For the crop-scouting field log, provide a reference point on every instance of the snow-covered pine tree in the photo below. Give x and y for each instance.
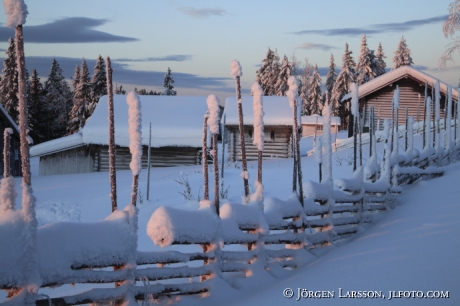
(364, 71)
(35, 101)
(58, 102)
(77, 113)
(9, 83)
(84, 87)
(379, 57)
(342, 87)
(168, 81)
(331, 77)
(267, 74)
(402, 55)
(283, 75)
(315, 97)
(305, 88)
(98, 84)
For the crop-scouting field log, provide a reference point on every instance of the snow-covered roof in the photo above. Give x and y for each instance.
(10, 120)
(395, 75)
(56, 145)
(176, 121)
(313, 119)
(276, 111)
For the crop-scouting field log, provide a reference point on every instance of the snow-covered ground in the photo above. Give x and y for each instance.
(413, 247)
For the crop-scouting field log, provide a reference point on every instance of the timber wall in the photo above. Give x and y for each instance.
(277, 142)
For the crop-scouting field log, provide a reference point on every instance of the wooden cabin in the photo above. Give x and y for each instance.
(15, 153)
(278, 120)
(313, 125)
(411, 82)
(177, 124)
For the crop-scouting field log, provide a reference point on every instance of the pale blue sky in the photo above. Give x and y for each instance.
(197, 39)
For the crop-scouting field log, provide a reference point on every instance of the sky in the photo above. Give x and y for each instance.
(198, 39)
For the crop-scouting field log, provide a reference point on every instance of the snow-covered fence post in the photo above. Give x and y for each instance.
(407, 127)
(6, 151)
(438, 120)
(204, 157)
(424, 115)
(112, 152)
(292, 95)
(355, 114)
(448, 122)
(319, 157)
(16, 10)
(258, 126)
(223, 148)
(433, 113)
(457, 125)
(213, 122)
(148, 161)
(135, 140)
(7, 192)
(236, 73)
(428, 143)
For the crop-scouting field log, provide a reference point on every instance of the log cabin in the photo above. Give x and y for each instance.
(313, 125)
(411, 82)
(278, 119)
(177, 124)
(15, 153)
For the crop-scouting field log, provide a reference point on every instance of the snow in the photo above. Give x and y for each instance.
(412, 247)
(395, 75)
(213, 118)
(164, 112)
(258, 116)
(7, 194)
(276, 111)
(135, 131)
(169, 225)
(235, 69)
(16, 10)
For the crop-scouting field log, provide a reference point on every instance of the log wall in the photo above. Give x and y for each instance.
(412, 95)
(277, 142)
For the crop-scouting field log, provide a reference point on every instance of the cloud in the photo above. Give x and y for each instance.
(308, 46)
(375, 28)
(66, 30)
(168, 58)
(201, 13)
(123, 75)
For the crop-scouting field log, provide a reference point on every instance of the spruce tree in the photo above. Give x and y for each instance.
(37, 110)
(366, 59)
(168, 81)
(379, 57)
(285, 71)
(402, 55)
(267, 74)
(9, 83)
(315, 97)
(77, 113)
(84, 87)
(342, 87)
(58, 100)
(331, 77)
(98, 84)
(305, 88)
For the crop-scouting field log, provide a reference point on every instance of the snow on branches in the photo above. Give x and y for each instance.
(16, 10)
(213, 119)
(135, 131)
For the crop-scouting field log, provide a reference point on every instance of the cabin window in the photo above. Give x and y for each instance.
(269, 136)
(319, 127)
(250, 132)
(16, 154)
